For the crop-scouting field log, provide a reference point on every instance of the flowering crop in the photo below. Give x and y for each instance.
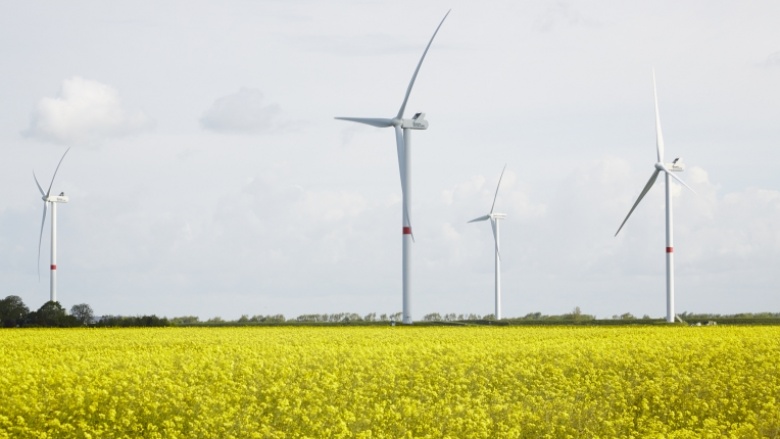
(391, 382)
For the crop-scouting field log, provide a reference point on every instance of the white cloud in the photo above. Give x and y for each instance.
(85, 112)
(242, 112)
(332, 206)
(512, 200)
(463, 190)
(562, 13)
(773, 60)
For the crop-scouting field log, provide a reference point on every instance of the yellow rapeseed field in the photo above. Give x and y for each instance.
(391, 382)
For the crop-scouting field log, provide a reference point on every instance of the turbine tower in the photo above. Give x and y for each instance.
(48, 199)
(403, 129)
(494, 218)
(667, 169)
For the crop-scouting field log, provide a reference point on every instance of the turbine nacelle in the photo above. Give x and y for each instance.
(417, 122)
(61, 198)
(498, 216)
(676, 166)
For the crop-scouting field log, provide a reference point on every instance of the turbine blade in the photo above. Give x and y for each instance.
(641, 195)
(400, 143)
(679, 180)
(39, 185)
(55, 171)
(400, 148)
(373, 121)
(40, 239)
(482, 218)
(659, 136)
(493, 225)
(497, 186)
(414, 76)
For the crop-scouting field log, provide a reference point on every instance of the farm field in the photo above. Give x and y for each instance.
(391, 382)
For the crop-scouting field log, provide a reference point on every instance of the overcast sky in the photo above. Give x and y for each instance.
(208, 177)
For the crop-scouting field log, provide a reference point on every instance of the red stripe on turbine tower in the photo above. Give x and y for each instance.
(669, 249)
(53, 266)
(407, 231)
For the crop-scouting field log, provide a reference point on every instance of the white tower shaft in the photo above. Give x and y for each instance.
(498, 273)
(670, 315)
(406, 230)
(53, 276)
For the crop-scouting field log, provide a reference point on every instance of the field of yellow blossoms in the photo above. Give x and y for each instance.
(391, 382)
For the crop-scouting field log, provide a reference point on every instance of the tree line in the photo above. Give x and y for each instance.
(14, 313)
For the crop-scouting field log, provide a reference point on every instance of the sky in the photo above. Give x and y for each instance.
(207, 175)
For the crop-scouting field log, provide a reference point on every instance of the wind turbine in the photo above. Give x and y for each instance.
(667, 169)
(48, 198)
(494, 218)
(403, 146)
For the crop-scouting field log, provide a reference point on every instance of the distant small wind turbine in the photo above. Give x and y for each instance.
(494, 218)
(48, 198)
(403, 145)
(667, 169)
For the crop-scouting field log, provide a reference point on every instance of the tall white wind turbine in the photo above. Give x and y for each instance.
(48, 199)
(494, 217)
(403, 145)
(667, 169)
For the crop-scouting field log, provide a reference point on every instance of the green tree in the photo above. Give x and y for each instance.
(185, 320)
(533, 316)
(432, 317)
(52, 314)
(13, 311)
(83, 313)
